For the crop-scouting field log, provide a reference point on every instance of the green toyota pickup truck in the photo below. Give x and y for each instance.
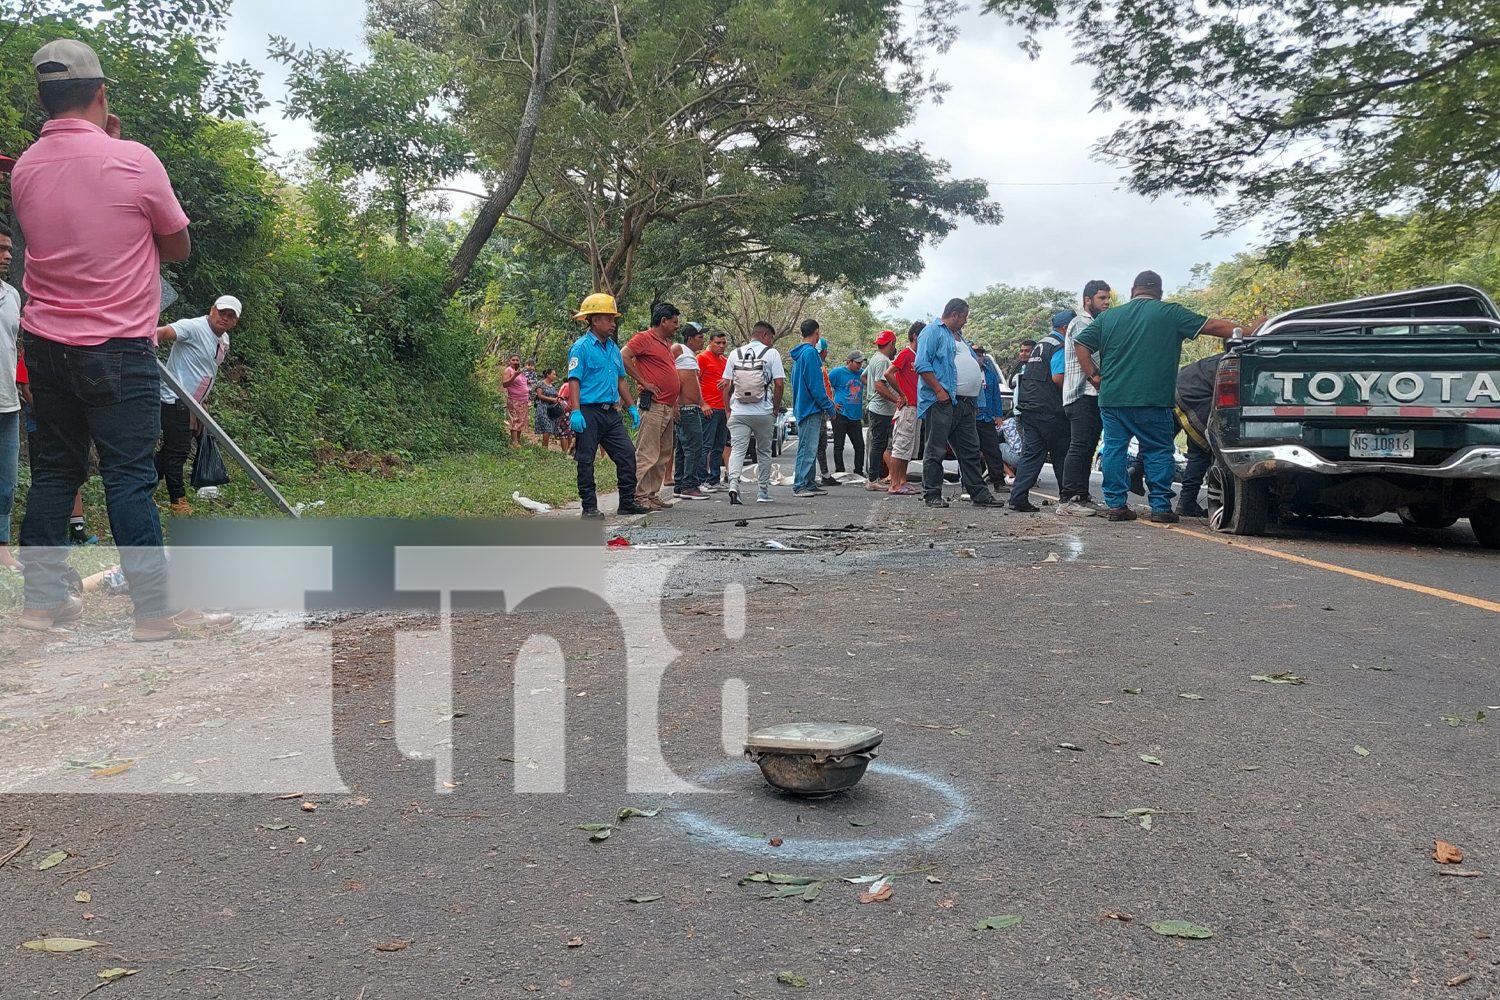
(1360, 408)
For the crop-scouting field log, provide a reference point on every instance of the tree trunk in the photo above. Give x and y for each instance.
(510, 182)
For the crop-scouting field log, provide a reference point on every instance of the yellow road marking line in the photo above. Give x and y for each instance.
(1447, 595)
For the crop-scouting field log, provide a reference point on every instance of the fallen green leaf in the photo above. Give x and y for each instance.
(788, 891)
(752, 834)
(117, 973)
(1281, 677)
(1361, 751)
(642, 899)
(1189, 696)
(1140, 811)
(1110, 815)
(59, 944)
(1150, 759)
(791, 979)
(179, 779)
(630, 811)
(861, 822)
(214, 723)
(52, 860)
(776, 879)
(961, 732)
(595, 827)
(1070, 746)
(1453, 720)
(811, 892)
(1131, 690)
(997, 923)
(1146, 822)
(1181, 928)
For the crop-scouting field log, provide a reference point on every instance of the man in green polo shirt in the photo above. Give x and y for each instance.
(1139, 346)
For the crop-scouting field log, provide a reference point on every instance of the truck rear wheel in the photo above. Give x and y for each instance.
(1423, 515)
(1486, 524)
(1237, 506)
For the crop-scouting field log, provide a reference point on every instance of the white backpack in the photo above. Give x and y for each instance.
(750, 376)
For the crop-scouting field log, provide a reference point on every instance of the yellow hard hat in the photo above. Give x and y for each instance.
(598, 304)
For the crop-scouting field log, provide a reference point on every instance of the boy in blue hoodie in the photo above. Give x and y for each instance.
(810, 404)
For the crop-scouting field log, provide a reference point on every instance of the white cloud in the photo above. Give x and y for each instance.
(1026, 127)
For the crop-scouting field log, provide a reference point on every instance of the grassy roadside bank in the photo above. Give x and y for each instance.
(474, 485)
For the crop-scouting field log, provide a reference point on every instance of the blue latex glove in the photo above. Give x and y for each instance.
(577, 422)
(635, 415)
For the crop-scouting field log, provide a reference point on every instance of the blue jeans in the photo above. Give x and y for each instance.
(715, 440)
(1154, 428)
(688, 470)
(110, 396)
(808, 429)
(10, 463)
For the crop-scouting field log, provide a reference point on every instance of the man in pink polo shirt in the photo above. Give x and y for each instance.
(99, 217)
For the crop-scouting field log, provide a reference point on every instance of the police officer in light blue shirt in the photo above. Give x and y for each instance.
(597, 384)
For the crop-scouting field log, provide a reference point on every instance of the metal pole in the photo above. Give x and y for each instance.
(235, 452)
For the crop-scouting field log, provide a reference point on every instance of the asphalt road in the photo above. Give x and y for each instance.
(1295, 821)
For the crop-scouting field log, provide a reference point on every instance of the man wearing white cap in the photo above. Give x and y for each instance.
(199, 347)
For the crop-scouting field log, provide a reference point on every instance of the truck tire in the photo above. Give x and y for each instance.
(1237, 506)
(1423, 515)
(1486, 524)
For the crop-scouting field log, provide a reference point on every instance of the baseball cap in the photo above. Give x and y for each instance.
(1063, 318)
(886, 337)
(228, 303)
(822, 344)
(1147, 281)
(77, 62)
(855, 356)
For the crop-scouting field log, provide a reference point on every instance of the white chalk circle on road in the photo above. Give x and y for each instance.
(827, 850)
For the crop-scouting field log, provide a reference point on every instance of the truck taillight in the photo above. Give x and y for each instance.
(1227, 388)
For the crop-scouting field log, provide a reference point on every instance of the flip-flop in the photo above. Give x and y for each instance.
(905, 491)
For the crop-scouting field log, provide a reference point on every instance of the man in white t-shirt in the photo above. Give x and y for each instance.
(754, 416)
(198, 349)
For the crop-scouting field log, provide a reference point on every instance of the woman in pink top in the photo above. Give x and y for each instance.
(517, 398)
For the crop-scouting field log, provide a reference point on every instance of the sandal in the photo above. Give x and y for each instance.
(907, 490)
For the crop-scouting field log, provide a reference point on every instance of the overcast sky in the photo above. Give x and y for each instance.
(1023, 126)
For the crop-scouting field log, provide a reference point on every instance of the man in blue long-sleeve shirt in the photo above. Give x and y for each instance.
(951, 384)
(810, 406)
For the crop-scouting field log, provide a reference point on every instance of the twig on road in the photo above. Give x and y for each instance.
(928, 725)
(85, 871)
(780, 583)
(1357, 722)
(762, 517)
(17, 849)
(1109, 737)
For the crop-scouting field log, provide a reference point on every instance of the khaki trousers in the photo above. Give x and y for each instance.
(653, 449)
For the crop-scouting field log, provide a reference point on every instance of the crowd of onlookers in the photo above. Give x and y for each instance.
(1106, 371)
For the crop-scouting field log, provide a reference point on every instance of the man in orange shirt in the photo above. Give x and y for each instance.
(648, 359)
(715, 413)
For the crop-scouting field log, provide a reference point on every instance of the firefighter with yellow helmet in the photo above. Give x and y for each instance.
(596, 377)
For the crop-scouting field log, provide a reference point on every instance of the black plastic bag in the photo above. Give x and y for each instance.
(208, 464)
